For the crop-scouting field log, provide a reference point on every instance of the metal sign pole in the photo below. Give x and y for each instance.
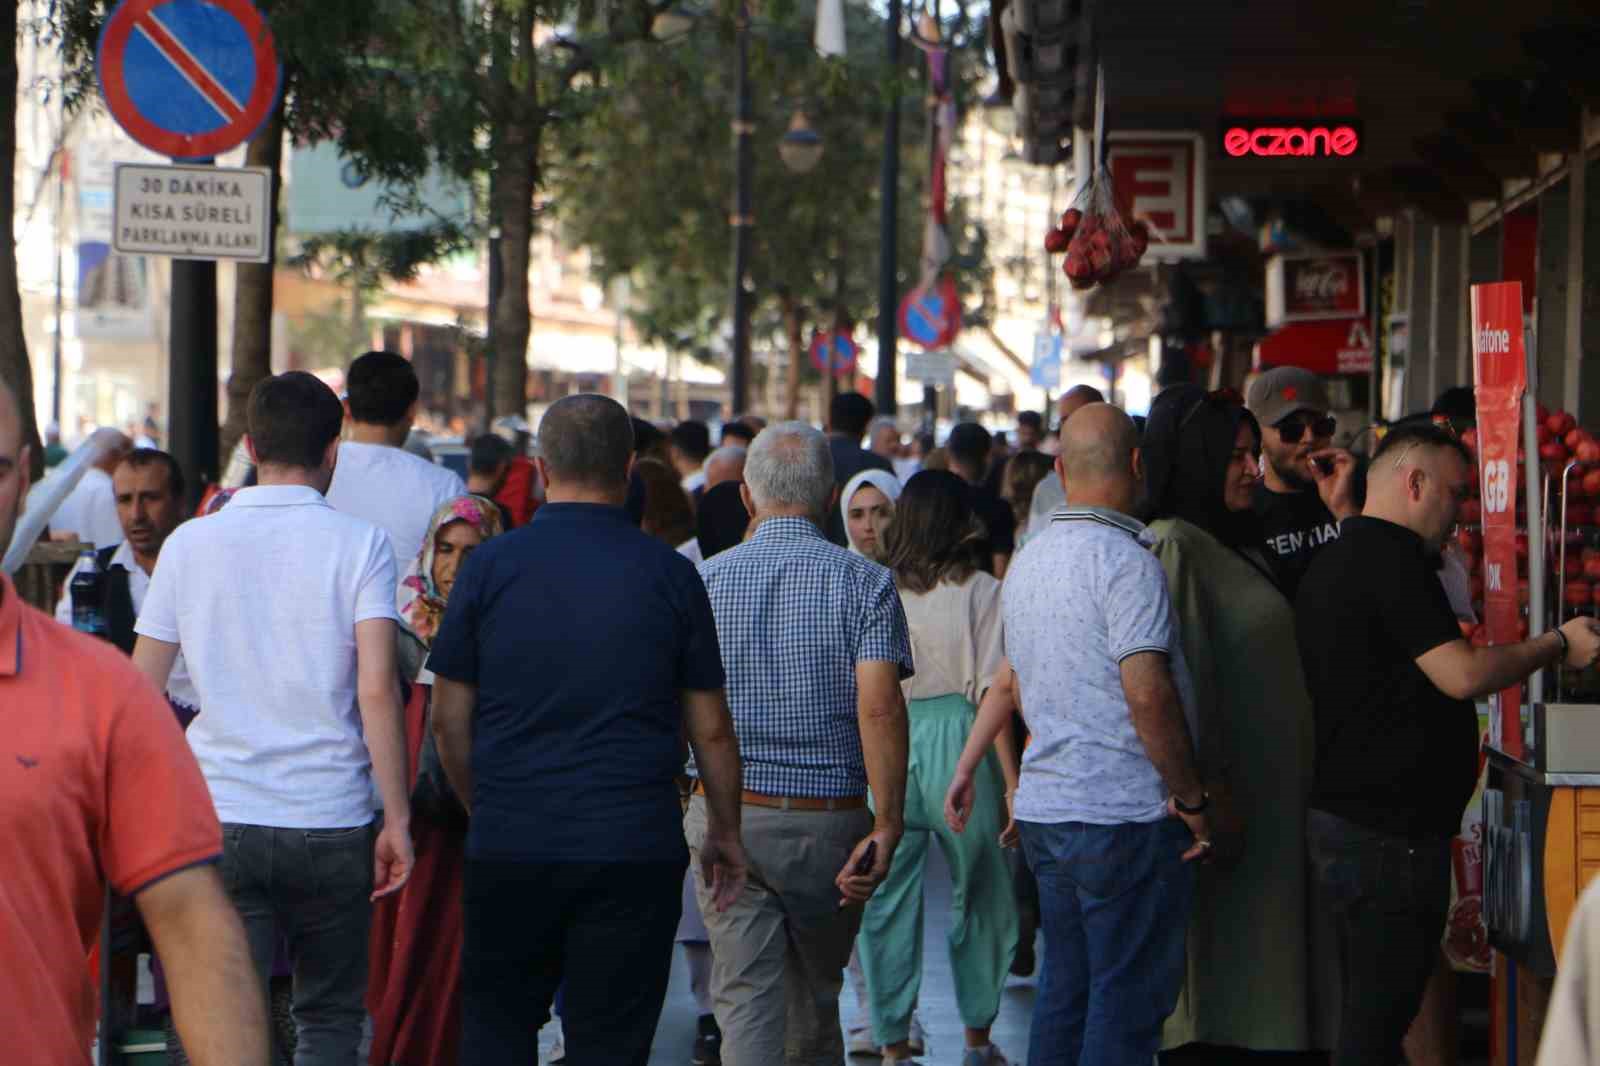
(192, 372)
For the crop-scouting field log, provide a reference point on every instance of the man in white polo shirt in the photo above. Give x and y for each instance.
(1091, 634)
(377, 479)
(284, 610)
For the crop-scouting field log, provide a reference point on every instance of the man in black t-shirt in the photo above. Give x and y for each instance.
(1307, 487)
(1392, 684)
(968, 447)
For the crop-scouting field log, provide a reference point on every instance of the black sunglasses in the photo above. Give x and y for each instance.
(1292, 429)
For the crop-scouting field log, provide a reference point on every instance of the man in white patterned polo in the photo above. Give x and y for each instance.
(1090, 631)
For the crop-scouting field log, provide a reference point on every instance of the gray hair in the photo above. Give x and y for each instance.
(882, 422)
(789, 466)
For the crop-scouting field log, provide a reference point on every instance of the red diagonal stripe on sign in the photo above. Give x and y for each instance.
(196, 75)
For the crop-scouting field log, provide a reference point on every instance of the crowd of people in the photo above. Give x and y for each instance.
(1189, 697)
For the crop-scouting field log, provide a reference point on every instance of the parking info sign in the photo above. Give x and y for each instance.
(193, 212)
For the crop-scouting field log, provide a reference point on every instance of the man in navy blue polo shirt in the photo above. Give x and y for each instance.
(574, 654)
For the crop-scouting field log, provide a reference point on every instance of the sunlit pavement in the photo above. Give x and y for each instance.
(676, 1033)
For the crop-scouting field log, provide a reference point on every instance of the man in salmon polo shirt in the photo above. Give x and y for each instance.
(97, 785)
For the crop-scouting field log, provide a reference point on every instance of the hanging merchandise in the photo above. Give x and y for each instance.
(1098, 243)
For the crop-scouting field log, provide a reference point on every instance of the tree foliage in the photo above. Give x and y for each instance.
(645, 177)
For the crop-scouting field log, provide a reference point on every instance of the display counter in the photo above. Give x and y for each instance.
(1541, 848)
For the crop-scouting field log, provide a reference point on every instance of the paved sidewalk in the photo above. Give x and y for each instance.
(675, 1035)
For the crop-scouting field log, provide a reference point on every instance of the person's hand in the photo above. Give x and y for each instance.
(1337, 486)
(723, 866)
(958, 800)
(1583, 642)
(858, 888)
(1010, 837)
(1203, 847)
(392, 859)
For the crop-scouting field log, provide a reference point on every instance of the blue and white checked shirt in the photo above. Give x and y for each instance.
(795, 614)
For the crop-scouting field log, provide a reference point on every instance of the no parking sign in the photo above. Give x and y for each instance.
(833, 352)
(189, 78)
(932, 316)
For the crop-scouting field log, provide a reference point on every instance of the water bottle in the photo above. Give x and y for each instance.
(88, 591)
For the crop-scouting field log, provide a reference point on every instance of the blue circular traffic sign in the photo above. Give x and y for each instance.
(931, 317)
(189, 78)
(834, 352)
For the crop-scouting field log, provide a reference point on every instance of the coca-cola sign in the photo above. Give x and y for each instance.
(1307, 288)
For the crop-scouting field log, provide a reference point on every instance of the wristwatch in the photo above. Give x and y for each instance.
(1199, 808)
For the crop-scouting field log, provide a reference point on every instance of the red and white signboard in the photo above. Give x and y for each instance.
(1500, 375)
(1306, 288)
(1334, 346)
(1160, 177)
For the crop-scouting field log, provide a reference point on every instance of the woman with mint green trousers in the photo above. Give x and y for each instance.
(953, 611)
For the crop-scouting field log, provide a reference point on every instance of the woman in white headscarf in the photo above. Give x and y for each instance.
(867, 505)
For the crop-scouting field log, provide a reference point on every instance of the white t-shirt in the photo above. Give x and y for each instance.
(180, 689)
(90, 510)
(393, 489)
(263, 598)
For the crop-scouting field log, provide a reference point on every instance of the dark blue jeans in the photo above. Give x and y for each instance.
(309, 887)
(1390, 896)
(1114, 903)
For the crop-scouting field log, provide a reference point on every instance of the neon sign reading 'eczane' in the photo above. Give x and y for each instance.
(1291, 140)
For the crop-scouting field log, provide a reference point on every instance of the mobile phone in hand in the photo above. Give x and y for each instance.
(864, 865)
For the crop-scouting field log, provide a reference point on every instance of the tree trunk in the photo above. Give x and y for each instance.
(791, 326)
(14, 368)
(513, 318)
(252, 298)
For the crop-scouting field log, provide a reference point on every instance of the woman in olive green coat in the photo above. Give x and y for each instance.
(1256, 970)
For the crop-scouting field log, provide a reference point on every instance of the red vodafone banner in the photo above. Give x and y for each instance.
(1500, 375)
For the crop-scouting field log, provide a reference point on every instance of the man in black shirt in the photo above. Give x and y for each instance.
(968, 446)
(1393, 683)
(1307, 488)
(847, 424)
(487, 469)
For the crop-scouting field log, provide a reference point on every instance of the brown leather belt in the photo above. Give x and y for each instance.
(794, 803)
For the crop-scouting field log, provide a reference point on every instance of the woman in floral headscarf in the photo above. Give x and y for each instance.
(414, 991)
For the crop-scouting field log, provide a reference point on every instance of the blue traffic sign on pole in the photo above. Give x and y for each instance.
(1046, 369)
(834, 352)
(932, 316)
(189, 79)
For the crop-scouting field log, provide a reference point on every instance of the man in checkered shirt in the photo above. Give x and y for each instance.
(814, 644)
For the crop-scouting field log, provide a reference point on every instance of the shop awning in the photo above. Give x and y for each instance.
(1332, 346)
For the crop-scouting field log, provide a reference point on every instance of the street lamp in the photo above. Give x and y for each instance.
(743, 217)
(801, 147)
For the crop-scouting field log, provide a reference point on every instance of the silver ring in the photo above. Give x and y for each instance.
(1204, 844)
